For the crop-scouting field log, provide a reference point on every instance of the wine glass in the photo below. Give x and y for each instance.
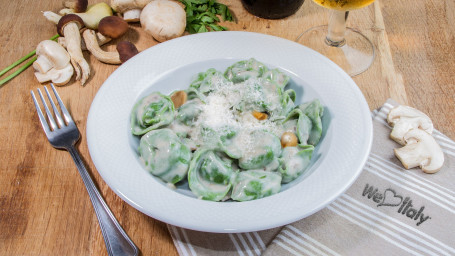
(347, 47)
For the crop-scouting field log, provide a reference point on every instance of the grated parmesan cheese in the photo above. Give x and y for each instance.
(230, 106)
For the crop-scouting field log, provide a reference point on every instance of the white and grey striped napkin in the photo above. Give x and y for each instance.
(387, 211)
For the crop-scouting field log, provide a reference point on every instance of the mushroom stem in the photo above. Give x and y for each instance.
(73, 40)
(52, 16)
(99, 38)
(132, 15)
(94, 48)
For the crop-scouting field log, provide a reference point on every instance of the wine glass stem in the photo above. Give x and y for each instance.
(336, 28)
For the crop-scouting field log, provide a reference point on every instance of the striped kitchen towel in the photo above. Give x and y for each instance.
(387, 211)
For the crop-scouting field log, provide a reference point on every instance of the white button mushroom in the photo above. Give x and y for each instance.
(163, 19)
(53, 63)
(404, 118)
(421, 150)
(130, 9)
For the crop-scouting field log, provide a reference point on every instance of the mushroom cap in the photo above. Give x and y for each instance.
(126, 50)
(163, 19)
(422, 150)
(77, 5)
(112, 26)
(404, 118)
(68, 19)
(51, 52)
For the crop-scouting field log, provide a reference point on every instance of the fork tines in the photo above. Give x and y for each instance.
(60, 120)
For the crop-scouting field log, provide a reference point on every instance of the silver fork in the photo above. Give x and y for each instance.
(64, 134)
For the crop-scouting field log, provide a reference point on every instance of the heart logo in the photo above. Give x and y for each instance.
(390, 198)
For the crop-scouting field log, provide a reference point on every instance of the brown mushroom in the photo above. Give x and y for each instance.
(126, 50)
(69, 26)
(111, 27)
(77, 6)
(54, 18)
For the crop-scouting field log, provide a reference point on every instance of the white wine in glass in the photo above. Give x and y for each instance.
(347, 47)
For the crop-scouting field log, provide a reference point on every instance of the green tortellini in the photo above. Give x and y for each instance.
(314, 110)
(277, 76)
(254, 184)
(164, 155)
(186, 117)
(262, 153)
(244, 70)
(226, 138)
(151, 112)
(205, 81)
(302, 126)
(294, 161)
(209, 175)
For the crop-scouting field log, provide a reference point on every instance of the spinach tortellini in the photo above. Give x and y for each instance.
(263, 154)
(314, 110)
(164, 155)
(294, 161)
(255, 184)
(243, 70)
(225, 139)
(151, 112)
(209, 175)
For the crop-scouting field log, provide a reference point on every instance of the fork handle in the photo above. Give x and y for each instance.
(117, 241)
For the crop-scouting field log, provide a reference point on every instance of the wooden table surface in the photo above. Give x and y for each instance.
(44, 207)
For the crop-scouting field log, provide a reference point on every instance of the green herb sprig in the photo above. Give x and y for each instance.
(19, 61)
(202, 15)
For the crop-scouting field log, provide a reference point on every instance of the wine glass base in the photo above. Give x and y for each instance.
(354, 56)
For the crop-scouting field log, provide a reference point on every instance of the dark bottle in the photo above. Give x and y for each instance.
(272, 9)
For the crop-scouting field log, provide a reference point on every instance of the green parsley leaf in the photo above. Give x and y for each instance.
(202, 15)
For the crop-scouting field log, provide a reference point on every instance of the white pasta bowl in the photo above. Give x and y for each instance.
(337, 160)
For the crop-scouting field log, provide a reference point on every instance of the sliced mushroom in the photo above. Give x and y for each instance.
(112, 27)
(163, 19)
(421, 150)
(179, 98)
(259, 115)
(57, 76)
(53, 63)
(404, 118)
(288, 139)
(68, 26)
(130, 9)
